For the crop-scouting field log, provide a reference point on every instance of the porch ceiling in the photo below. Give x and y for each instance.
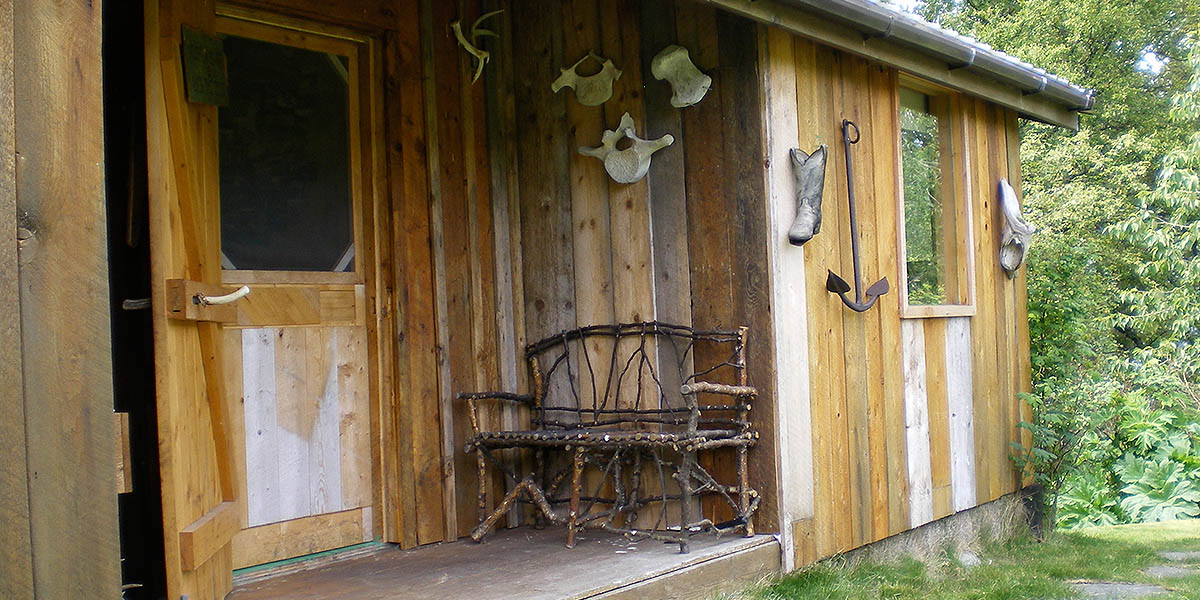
(524, 563)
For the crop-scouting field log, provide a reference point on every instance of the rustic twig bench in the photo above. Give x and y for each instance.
(618, 407)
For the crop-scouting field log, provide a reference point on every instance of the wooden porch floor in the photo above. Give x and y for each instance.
(530, 565)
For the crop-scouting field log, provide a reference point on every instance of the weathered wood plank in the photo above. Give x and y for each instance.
(593, 245)
(354, 410)
(665, 182)
(415, 445)
(295, 416)
(827, 366)
(53, 125)
(959, 395)
(235, 417)
(325, 452)
(628, 204)
(258, 384)
(16, 554)
(916, 420)
(983, 355)
(886, 139)
(298, 537)
(863, 79)
(1006, 291)
(938, 411)
(200, 540)
(791, 332)
(1024, 372)
(746, 193)
(371, 14)
(543, 155)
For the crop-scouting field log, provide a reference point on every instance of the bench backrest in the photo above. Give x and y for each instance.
(628, 376)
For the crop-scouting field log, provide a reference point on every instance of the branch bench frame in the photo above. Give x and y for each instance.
(620, 399)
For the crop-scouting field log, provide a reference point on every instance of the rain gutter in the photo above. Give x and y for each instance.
(878, 21)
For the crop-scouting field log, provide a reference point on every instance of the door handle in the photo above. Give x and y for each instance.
(229, 298)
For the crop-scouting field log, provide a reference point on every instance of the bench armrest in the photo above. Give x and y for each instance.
(741, 391)
(471, 396)
(473, 399)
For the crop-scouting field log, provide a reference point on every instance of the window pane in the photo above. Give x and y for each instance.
(285, 160)
(921, 157)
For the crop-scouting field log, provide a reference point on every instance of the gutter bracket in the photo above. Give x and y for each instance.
(970, 61)
(1040, 88)
(887, 33)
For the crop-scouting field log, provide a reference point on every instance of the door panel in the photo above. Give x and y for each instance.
(265, 422)
(306, 438)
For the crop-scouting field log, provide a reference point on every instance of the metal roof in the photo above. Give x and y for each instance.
(877, 20)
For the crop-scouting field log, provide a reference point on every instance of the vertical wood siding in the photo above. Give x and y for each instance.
(910, 420)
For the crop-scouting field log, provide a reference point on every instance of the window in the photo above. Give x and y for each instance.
(286, 151)
(935, 234)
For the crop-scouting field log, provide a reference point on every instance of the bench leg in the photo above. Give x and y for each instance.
(744, 489)
(684, 476)
(527, 487)
(576, 485)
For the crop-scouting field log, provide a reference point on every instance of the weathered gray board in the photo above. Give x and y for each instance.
(65, 339)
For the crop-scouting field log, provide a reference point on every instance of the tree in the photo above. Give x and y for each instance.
(1161, 310)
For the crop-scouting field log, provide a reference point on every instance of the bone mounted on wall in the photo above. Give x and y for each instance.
(1016, 232)
(632, 163)
(590, 90)
(688, 84)
(809, 173)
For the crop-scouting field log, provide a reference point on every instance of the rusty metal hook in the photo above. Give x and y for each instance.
(834, 283)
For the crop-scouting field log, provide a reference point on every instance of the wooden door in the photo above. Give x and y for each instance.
(266, 413)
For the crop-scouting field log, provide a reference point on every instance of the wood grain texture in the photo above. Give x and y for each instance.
(787, 286)
(938, 411)
(196, 477)
(298, 537)
(959, 396)
(916, 420)
(415, 422)
(1023, 371)
(1006, 292)
(52, 121)
(885, 119)
(16, 554)
(746, 181)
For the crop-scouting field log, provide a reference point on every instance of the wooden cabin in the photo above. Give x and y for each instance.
(408, 223)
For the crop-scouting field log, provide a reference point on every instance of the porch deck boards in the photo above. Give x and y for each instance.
(525, 563)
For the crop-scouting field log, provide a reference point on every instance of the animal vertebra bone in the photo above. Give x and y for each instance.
(481, 56)
(632, 163)
(688, 84)
(1014, 237)
(810, 182)
(590, 90)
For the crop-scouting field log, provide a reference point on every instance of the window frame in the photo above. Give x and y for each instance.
(249, 24)
(957, 184)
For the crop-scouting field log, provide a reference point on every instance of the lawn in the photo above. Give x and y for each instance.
(1020, 568)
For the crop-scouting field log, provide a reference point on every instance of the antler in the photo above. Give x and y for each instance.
(481, 56)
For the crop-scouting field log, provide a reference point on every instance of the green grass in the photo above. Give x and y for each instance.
(1018, 569)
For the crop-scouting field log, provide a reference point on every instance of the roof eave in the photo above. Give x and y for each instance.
(870, 30)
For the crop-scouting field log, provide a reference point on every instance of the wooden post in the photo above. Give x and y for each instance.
(16, 554)
(56, 116)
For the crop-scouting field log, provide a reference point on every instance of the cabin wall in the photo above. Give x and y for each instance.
(687, 243)
(501, 233)
(895, 422)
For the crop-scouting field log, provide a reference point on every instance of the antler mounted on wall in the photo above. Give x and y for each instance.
(472, 46)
